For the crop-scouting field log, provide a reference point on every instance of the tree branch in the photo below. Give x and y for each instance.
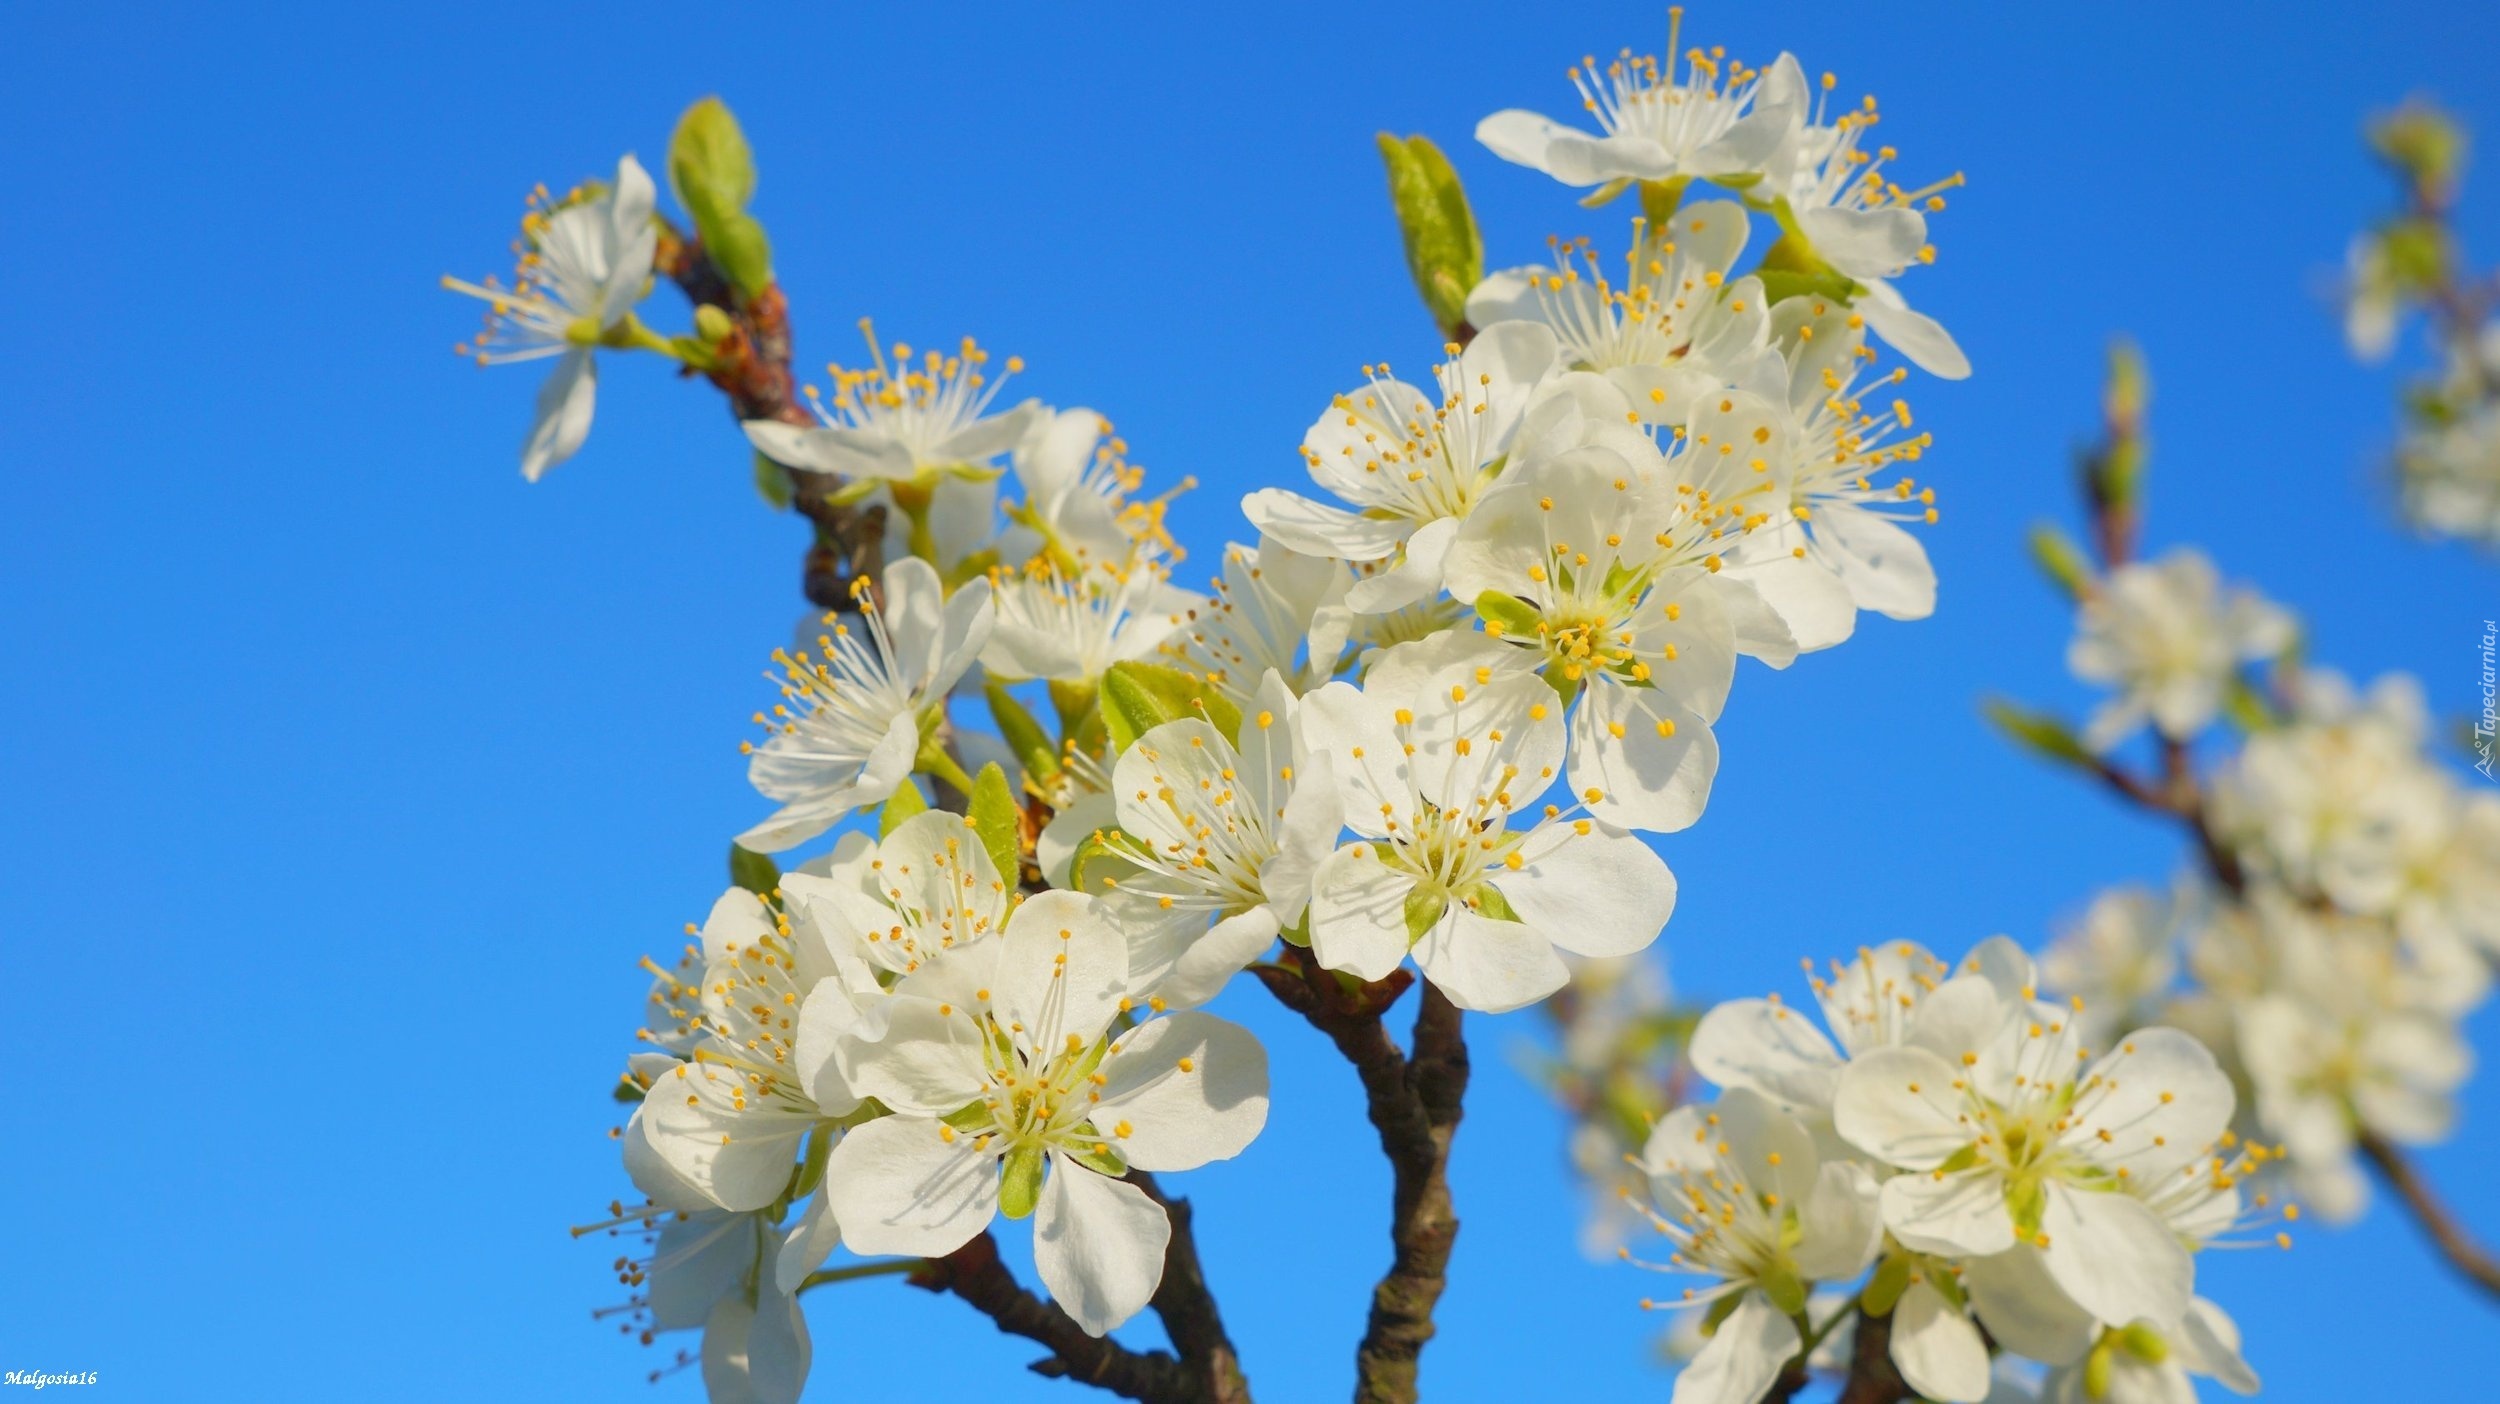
(974, 1273)
(2449, 1239)
(1187, 1307)
(1415, 1104)
(752, 368)
(1872, 1377)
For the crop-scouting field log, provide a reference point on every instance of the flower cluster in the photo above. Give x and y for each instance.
(2346, 931)
(1424, 720)
(1949, 1148)
(2447, 457)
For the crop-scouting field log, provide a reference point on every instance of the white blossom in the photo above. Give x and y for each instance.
(1011, 1093)
(585, 263)
(851, 721)
(1411, 465)
(1434, 756)
(2167, 636)
(1705, 117)
(903, 422)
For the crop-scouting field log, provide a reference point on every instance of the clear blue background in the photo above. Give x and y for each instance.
(347, 776)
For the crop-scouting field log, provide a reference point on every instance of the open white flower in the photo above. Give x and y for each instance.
(849, 727)
(1276, 610)
(1867, 228)
(1765, 1046)
(1838, 516)
(723, 1272)
(585, 262)
(2139, 1364)
(1676, 328)
(903, 422)
(1741, 1192)
(2166, 635)
(1412, 465)
(730, 1119)
(1600, 576)
(1434, 756)
(1208, 831)
(1715, 119)
(2119, 959)
(1070, 628)
(2448, 472)
(1077, 480)
(2005, 1141)
(1009, 1093)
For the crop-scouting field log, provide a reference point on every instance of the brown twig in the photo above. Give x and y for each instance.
(974, 1273)
(1872, 1376)
(1187, 1307)
(751, 366)
(2454, 1244)
(1415, 1102)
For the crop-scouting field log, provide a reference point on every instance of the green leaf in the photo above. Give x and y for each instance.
(2061, 560)
(712, 172)
(1659, 199)
(772, 483)
(1444, 252)
(1138, 697)
(2037, 732)
(753, 871)
(1020, 1183)
(627, 1090)
(1025, 738)
(999, 821)
(907, 802)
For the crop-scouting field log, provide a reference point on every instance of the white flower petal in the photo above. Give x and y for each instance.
(1900, 1106)
(1960, 1214)
(1099, 1245)
(1743, 1357)
(2024, 1308)
(1602, 893)
(1936, 1348)
(1488, 966)
(899, 1185)
(1358, 913)
(1189, 1088)
(565, 402)
(2114, 1256)
(1770, 1048)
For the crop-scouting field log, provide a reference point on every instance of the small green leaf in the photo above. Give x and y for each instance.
(1659, 199)
(1720, 1311)
(627, 1090)
(907, 802)
(2061, 560)
(712, 171)
(1025, 738)
(971, 1116)
(1492, 904)
(1020, 1182)
(2037, 732)
(1138, 697)
(2097, 1368)
(753, 871)
(1444, 253)
(2144, 1343)
(999, 821)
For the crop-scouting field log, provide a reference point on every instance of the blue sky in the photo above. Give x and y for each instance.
(349, 776)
